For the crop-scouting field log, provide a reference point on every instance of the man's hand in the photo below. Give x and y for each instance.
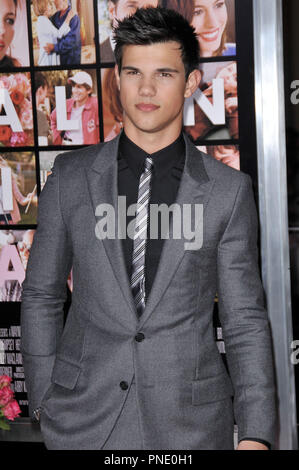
(49, 48)
(251, 445)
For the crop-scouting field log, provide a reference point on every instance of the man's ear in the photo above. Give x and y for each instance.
(192, 83)
(116, 71)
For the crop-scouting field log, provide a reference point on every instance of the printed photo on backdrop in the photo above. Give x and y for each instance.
(18, 188)
(16, 117)
(14, 254)
(76, 120)
(213, 21)
(14, 50)
(109, 11)
(63, 32)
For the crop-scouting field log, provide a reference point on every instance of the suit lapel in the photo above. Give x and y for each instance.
(195, 188)
(103, 189)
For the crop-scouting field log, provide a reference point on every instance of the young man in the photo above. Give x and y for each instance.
(69, 46)
(136, 365)
(118, 10)
(82, 107)
(42, 89)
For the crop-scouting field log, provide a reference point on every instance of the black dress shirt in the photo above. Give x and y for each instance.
(168, 166)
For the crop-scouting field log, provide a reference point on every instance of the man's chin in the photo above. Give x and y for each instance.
(147, 125)
(150, 129)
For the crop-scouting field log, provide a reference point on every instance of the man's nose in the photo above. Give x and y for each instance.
(147, 87)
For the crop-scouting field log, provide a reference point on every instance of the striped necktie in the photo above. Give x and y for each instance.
(140, 236)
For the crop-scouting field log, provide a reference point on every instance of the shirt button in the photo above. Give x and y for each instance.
(124, 385)
(139, 337)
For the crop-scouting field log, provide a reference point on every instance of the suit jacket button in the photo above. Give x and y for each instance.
(124, 385)
(139, 337)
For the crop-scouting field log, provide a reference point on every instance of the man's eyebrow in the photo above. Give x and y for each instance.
(162, 69)
(129, 67)
(168, 69)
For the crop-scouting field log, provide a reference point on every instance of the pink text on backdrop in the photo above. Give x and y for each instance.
(214, 111)
(9, 255)
(11, 118)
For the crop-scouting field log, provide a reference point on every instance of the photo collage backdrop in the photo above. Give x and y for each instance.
(51, 64)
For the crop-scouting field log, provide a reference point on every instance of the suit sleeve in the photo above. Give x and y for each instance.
(244, 321)
(68, 42)
(44, 292)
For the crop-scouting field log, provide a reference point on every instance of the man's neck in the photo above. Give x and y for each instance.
(62, 12)
(152, 142)
(79, 104)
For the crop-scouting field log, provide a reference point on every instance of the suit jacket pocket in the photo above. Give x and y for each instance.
(65, 374)
(211, 389)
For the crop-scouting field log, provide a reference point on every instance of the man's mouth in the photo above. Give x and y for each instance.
(210, 36)
(146, 107)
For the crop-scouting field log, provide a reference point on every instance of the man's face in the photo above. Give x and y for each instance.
(61, 4)
(125, 8)
(80, 93)
(153, 87)
(42, 93)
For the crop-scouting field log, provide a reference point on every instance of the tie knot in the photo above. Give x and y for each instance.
(148, 163)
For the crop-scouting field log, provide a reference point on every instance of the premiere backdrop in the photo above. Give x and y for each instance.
(44, 57)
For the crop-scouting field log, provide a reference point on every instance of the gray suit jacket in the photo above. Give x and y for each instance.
(78, 374)
(106, 52)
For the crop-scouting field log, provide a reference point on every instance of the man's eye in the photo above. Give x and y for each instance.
(166, 74)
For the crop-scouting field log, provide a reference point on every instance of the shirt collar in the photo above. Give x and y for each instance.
(132, 156)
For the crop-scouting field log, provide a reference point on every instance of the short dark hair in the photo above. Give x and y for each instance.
(40, 81)
(157, 25)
